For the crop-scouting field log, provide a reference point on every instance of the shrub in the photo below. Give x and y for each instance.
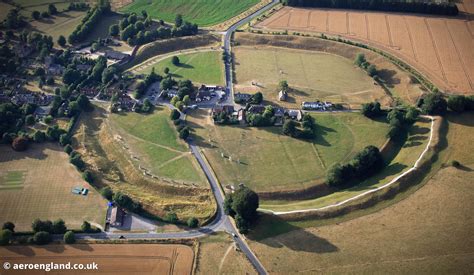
(171, 217)
(193, 222)
(69, 237)
(175, 114)
(48, 119)
(59, 227)
(5, 236)
(371, 109)
(455, 163)
(434, 104)
(68, 149)
(86, 227)
(175, 60)
(107, 193)
(30, 120)
(87, 176)
(184, 133)
(42, 238)
(39, 225)
(39, 136)
(457, 103)
(9, 225)
(20, 144)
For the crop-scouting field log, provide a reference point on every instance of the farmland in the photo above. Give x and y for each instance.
(119, 148)
(201, 67)
(438, 47)
(414, 228)
(37, 183)
(110, 258)
(201, 12)
(311, 75)
(270, 161)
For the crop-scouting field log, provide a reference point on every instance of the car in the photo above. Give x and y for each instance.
(234, 235)
(85, 191)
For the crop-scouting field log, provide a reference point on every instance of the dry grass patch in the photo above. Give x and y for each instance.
(43, 180)
(110, 258)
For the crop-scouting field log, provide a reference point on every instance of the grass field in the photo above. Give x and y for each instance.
(203, 67)
(312, 76)
(154, 138)
(110, 258)
(119, 147)
(37, 183)
(439, 47)
(406, 157)
(201, 12)
(270, 161)
(61, 24)
(217, 255)
(407, 237)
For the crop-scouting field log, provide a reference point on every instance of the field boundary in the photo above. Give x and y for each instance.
(344, 206)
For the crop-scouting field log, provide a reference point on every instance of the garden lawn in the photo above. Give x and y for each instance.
(202, 67)
(201, 12)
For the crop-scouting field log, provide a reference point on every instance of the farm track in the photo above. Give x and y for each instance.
(411, 37)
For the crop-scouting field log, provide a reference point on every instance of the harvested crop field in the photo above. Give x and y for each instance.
(427, 232)
(37, 183)
(311, 75)
(440, 48)
(110, 258)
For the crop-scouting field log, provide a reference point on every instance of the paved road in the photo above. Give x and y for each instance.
(227, 42)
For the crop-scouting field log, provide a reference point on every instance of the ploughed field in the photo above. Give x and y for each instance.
(267, 161)
(37, 183)
(201, 12)
(311, 76)
(439, 47)
(110, 258)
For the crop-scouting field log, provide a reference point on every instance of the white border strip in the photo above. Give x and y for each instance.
(415, 166)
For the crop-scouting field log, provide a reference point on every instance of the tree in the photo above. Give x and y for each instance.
(360, 59)
(457, 103)
(411, 115)
(175, 114)
(178, 21)
(69, 237)
(42, 238)
(39, 136)
(39, 71)
(184, 133)
(5, 236)
(87, 176)
(186, 100)
(39, 225)
(335, 177)
(59, 227)
(193, 222)
(289, 128)
(52, 9)
(114, 30)
(86, 227)
(179, 105)
(242, 224)
(257, 98)
(45, 14)
(107, 193)
(228, 205)
(20, 144)
(83, 102)
(371, 109)
(36, 15)
(48, 119)
(108, 74)
(68, 149)
(245, 203)
(434, 104)
(175, 60)
(372, 70)
(166, 70)
(30, 120)
(64, 139)
(62, 41)
(171, 217)
(9, 225)
(283, 85)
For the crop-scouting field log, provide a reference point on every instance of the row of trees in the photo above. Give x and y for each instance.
(362, 62)
(461, 103)
(366, 163)
(417, 6)
(52, 10)
(88, 23)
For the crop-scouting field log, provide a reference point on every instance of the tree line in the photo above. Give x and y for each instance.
(417, 6)
(88, 23)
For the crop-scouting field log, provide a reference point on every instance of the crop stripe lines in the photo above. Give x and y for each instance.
(469, 29)
(436, 50)
(347, 24)
(327, 21)
(367, 27)
(463, 65)
(388, 30)
(319, 157)
(411, 39)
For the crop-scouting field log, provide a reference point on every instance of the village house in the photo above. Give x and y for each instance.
(55, 69)
(109, 54)
(23, 50)
(228, 109)
(282, 95)
(203, 95)
(241, 116)
(116, 216)
(83, 67)
(90, 92)
(242, 98)
(256, 109)
(279, 114)
(294, 114)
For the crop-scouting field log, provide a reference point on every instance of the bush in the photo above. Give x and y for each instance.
(69, 237)
(184, 133)
(5, 236)
(39, 136)
(86, 227)
(39, 225)
(30, 120)
(175, 114)
(42, 238)
(371, 109)
(434, 104)
(59, 227)
(171, 217)
(68, 149)
(193, 222)
(87, 176)
(64, 140)
(107, 193)
(175, 60)
(9, 225)
(455, 163)
(20, 144)
(457, 103)
(48, 119)
(76, 160)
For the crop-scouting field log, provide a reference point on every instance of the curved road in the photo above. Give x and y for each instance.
(221, 222)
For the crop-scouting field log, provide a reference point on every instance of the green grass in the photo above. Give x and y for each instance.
(12, 180)
(406, 157)
(312, 75)
(201, 12)
(155, 140)
(270, 161)
(204, 67)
